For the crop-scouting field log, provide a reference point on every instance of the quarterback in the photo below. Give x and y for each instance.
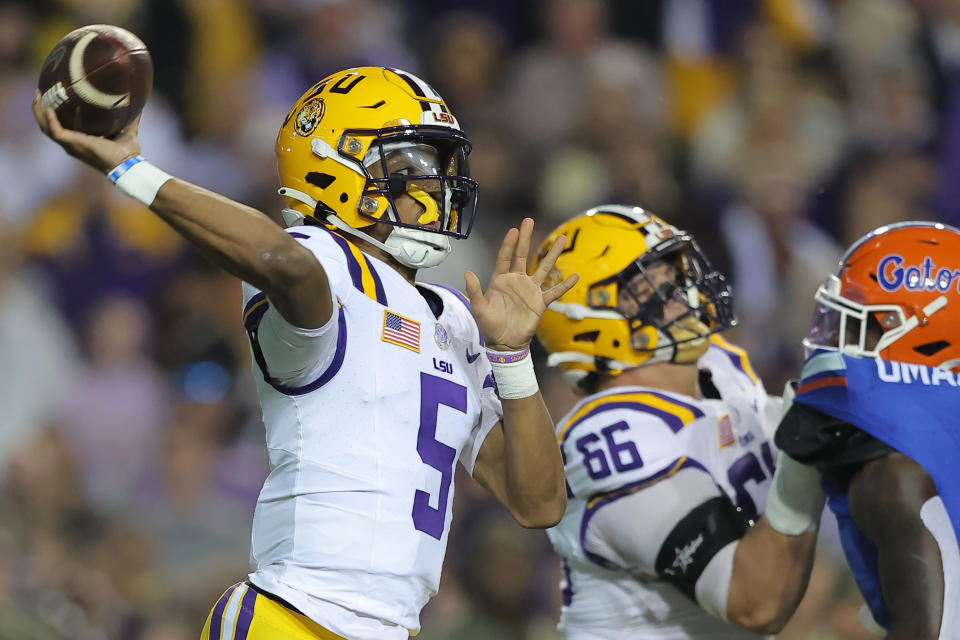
(668, 459)
(876, 413)
(372, 386)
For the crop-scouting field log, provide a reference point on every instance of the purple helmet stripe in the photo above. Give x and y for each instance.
(216, 622)
(245, 617)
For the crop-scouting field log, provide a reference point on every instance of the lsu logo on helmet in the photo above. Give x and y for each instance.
(646, 294)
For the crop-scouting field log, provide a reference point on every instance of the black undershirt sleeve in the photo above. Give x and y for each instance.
(696, 539)
(835, 447)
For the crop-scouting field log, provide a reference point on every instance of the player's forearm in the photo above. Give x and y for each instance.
(240, 239)
(532, 466)
(770, 574)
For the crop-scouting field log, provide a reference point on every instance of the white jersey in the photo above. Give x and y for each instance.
(365, 419)
(638, 461)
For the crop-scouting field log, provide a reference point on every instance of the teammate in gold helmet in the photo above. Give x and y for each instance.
(646, 294)
(680, 521)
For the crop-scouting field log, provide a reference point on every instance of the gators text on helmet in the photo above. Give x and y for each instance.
(896, 296)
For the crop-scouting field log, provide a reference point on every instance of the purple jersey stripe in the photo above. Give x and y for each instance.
(324, 378)
(297, 234)
(462, 298)
(603, 499)
(697, 413)
(252, 315)
(352, 265)
(245, 617)
(377, 283)
(674, 422)
(735, 358)
(216, 622)
(567, 591)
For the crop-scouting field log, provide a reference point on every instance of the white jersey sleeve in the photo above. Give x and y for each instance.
(293, 356)
(631, 532)
(479, 370)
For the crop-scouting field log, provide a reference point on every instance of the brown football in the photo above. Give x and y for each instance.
(97, 79)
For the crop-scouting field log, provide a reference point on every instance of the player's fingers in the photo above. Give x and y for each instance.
(39, 113)
(58, 133)
(505, 254)
(132, 129)
(474, 291)
(543, 269)
(523, 246)
(554, 292)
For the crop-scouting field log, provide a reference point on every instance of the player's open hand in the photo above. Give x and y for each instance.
(100, 153)
(509, 311)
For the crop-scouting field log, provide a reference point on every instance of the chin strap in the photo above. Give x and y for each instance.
(414, 248)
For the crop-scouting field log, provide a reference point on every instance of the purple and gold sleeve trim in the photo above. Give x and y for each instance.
(253, 313)
(737, 356)
(603, 499)
(675, 413)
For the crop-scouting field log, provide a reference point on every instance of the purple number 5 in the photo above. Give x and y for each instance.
(434, 392)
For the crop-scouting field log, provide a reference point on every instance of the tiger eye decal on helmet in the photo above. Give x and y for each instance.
(646, 294)
(346, 127)
(896, 296)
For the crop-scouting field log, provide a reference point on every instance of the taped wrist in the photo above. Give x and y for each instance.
(513, 373)
(138, 179)
(796, 498)
(696, 539)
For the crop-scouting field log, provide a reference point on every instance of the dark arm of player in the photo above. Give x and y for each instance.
(248, 244)
(885, 500)
(520, 464)
(241, 240)
(770, 575)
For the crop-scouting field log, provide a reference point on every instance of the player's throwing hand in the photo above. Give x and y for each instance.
(103, 154)
(509, 311)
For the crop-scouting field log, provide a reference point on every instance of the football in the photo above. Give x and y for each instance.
(97, 79)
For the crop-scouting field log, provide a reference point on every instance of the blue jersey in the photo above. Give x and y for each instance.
(911, 408)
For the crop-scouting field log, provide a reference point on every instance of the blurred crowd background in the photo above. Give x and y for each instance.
(131, 444)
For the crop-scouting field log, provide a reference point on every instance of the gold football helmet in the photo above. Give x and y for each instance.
(646, 294)
(335, 145)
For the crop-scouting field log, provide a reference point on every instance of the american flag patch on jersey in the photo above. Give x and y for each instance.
(725, 431)
(401, 331)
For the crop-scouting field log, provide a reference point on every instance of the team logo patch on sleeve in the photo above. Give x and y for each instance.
(401, 331)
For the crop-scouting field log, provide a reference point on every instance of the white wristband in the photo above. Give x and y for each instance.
(513, 373)
(795, 501)
(138, 179)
